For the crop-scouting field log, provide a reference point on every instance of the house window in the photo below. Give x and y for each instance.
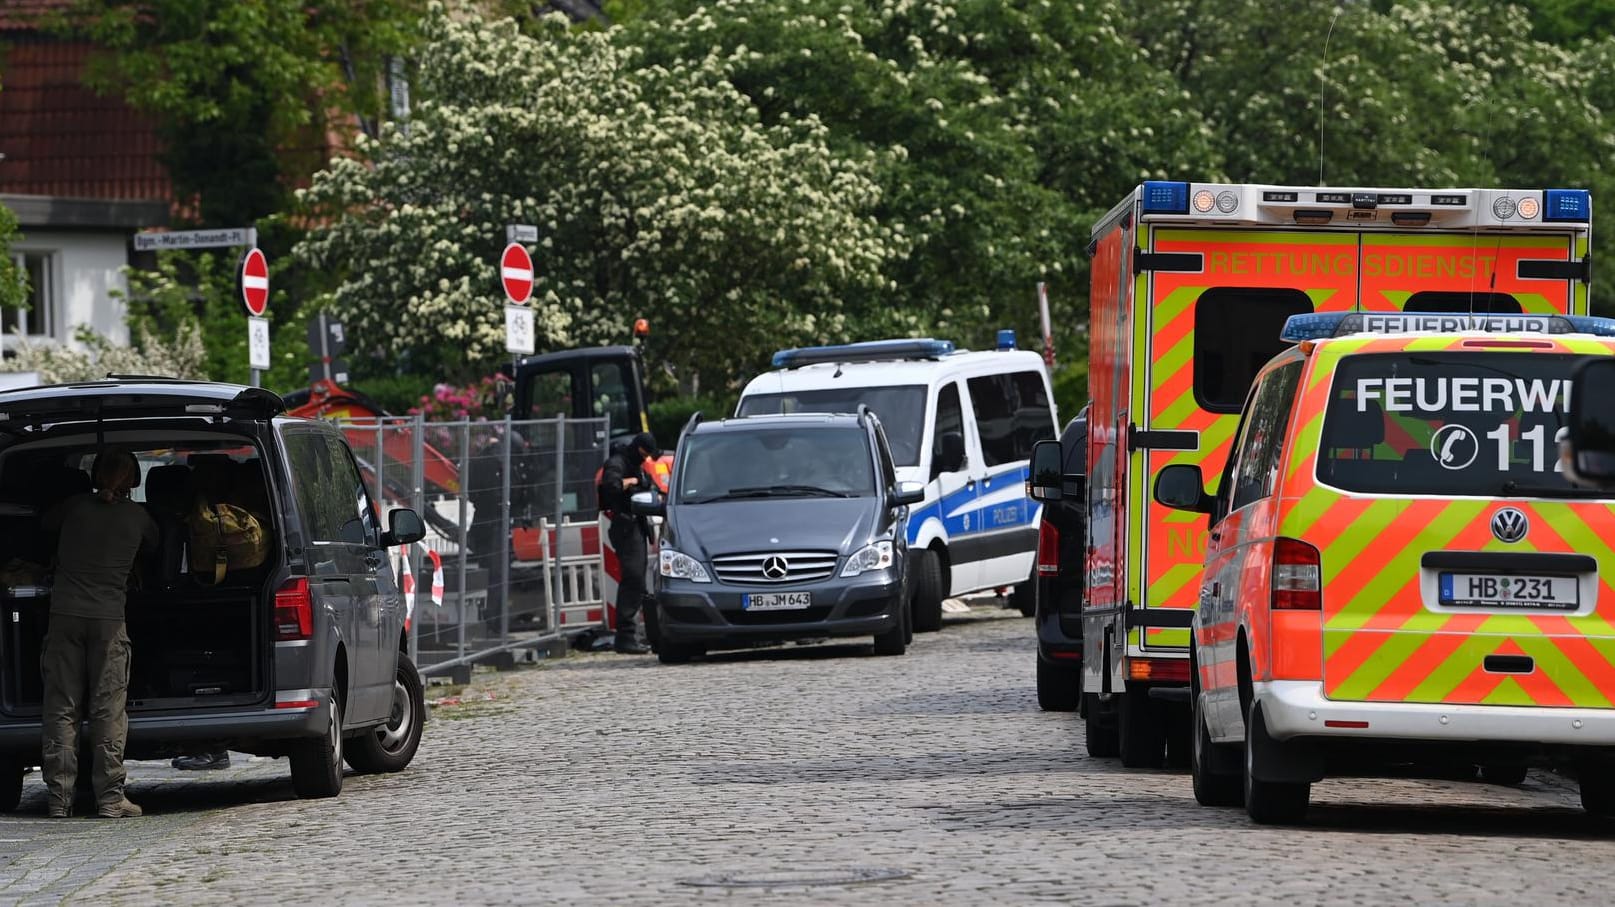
(36, 319)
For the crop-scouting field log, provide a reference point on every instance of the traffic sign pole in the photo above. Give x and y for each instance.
(253, 279)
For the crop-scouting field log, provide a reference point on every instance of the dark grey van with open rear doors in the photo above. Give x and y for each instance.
(301, 656)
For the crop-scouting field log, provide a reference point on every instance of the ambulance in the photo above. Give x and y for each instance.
(1192, 284)
(1399, 569)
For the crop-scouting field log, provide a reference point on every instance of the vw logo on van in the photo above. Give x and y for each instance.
(776, 567)
(1509, 525)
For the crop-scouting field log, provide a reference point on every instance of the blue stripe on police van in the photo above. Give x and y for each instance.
(962, 513)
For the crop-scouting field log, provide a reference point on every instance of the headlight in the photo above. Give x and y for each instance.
(682, 566)
(871, 557)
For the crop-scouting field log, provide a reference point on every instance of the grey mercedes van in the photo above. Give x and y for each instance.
(300, 656)
(779, 528)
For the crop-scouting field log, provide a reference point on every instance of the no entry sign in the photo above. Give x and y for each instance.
(255, 282)
(516, 273)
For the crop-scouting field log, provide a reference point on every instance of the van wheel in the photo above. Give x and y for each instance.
(391, 746)
(669, 653)
(1098, 728)
(317, 763)
(1506, 775)
(1023, 599)
(895, 640)
(1141, 743)
(1269, 802)
(1211, 788)
(926, 606)
(1058, 687)
(11, 771)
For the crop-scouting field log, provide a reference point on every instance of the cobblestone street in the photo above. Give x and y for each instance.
(608, 779)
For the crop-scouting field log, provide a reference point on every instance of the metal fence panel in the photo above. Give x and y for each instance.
(490, 493)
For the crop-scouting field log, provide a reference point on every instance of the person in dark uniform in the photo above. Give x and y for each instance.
(85, 663)
(623, 477)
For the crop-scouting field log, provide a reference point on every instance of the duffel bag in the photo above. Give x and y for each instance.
(224, 537)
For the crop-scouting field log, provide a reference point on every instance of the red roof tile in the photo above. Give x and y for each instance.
(61, 138)
(24, 15)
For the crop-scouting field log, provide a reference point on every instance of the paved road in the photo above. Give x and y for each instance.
(605, 779)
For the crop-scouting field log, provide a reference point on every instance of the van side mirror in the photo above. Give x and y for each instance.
(1592, 424)
(907, 494)
(950, 456)
(404, 527)
(1181, 487)
(1046, 481)
(648, 503)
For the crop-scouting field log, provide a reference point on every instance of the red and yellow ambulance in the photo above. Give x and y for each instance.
(1192, 284)
(1399, 570)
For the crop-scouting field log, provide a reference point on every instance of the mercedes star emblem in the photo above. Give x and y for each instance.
(776, 567)
(1509, 525)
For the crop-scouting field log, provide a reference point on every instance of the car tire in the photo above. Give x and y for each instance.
(390, 747)
(1269, 802)
(1503, 775)
(895, 640)
(1099, 729)
(1024, 599)
(1141, 744)
(1597, 788)
(672, 653)
(1058, 687)
(11, 774)
(926, 605)
(317, 763)
(1211, 788)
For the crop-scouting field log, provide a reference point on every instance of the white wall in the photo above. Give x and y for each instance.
(86, 269)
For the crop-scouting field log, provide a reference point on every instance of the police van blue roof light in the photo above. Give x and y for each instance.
(1006, 339)
(1567, 205)
(1163, 197)
(868, 351)
(1311, 326)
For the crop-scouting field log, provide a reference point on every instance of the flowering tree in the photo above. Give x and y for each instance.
(656, 189)
(180, 357)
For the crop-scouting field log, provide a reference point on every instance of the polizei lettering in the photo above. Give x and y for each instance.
(1464, 395)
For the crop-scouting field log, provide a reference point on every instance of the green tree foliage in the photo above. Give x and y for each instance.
(245, 93)
(656, 190)
(13, 281)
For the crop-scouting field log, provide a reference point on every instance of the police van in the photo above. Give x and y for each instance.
(962, 423)
(1399, 569)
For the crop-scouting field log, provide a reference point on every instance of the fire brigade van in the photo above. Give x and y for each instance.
(1399, 570)
(1191, 286)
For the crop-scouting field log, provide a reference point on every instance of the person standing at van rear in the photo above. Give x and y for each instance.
(85, 663)
(622, 477)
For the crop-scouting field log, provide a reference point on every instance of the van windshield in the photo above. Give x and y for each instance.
(1446, 423)
(901, 411)
(786, 462)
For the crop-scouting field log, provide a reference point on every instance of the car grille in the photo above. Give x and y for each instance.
(775, 567)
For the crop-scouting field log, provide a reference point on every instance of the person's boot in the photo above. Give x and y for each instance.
(57, 809)
(121, 810)
(628, 644)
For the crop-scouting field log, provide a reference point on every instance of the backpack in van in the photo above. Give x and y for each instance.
(224, 537)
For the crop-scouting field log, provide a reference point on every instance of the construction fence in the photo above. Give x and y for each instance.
(512, 557)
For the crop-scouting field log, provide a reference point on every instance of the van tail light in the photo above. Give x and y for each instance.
(1297, 576)
(294, 611)
(1048, 549)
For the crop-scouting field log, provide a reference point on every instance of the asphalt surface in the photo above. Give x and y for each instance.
(803, 775)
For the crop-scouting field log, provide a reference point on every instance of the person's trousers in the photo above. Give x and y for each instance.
(85, 666)
(632, 551)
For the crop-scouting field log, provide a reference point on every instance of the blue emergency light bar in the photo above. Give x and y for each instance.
(1567, 206)
(868, 351)
(1163, 197)
(1318, 326)
(1006, 339)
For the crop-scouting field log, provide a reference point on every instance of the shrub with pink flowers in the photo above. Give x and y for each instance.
(483, 401)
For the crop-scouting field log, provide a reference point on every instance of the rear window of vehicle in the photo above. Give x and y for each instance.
(1236, 332)
(818, 461)
(1012, 414)
(900, 409)
(1446, 423)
